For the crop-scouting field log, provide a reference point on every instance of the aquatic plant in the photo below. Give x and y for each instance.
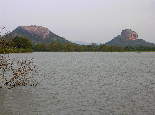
(17, 72)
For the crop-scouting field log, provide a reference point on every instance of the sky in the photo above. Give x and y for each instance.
(82, 20)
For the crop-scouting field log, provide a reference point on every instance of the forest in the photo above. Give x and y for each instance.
(18, 44)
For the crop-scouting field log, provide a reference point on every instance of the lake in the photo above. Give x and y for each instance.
(86, 84)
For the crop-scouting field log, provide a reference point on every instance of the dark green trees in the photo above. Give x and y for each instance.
(15, 44)
(21, 42)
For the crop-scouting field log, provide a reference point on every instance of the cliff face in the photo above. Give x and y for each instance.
(38, 34)
(128, 34)
(129, 38)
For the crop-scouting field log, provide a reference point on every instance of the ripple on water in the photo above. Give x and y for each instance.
(86, 84)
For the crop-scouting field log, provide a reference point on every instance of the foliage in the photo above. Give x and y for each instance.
(17, 72)
(71, 47)
(21, 42)
(15, 45)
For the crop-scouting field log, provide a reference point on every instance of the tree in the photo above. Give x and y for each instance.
(22, 42)
(13, 71)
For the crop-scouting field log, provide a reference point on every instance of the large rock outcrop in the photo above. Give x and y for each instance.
(129, 38)
(38, 34)
(128, 34)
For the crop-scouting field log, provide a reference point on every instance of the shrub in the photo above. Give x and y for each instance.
(17, 72)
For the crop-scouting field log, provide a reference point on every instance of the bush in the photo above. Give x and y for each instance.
(21, 42)
(15, 72)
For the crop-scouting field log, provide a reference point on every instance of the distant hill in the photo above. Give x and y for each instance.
(38, 34)
(129, 38)
(81, 43)
(85, 43)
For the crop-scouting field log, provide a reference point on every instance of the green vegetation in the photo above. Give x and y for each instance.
(15, 44)
(71, 47)
(16, 72)
(19, 44)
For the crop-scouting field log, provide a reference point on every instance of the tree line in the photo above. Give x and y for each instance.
(20, 44)
(72, 47)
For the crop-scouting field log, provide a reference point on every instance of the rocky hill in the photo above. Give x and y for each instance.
(38, 34)
(129, 38)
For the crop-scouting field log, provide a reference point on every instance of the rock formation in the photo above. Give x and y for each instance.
(129, 37)
(38, 34)
(128, 34)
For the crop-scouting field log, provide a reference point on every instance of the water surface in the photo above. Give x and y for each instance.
(86, 84)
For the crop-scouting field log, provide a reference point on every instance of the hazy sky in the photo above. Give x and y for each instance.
(82, 20)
